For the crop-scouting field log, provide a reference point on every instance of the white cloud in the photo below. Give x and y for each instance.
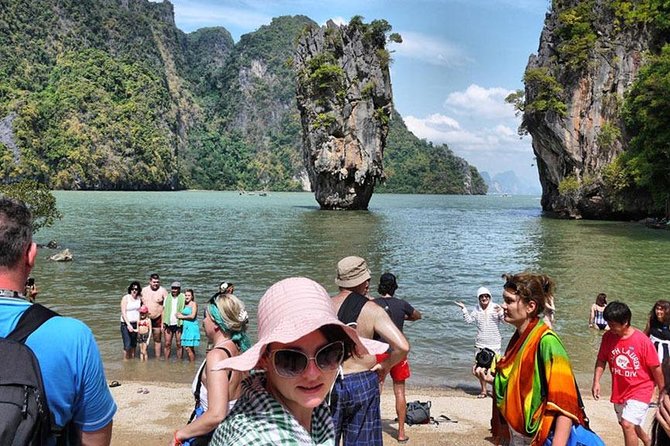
(487, 103)
(442, 129)
(429, 49)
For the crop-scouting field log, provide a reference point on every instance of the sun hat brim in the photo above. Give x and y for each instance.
(285, 335)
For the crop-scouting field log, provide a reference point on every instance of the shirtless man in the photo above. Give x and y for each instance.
(356, 412)
(153, 296)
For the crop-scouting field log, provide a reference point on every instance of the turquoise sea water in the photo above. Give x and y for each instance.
(441, 248)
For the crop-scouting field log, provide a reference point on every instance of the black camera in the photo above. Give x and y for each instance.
(484, 358)
(30, 282)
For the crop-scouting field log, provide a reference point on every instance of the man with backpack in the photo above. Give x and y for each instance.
(62, 350)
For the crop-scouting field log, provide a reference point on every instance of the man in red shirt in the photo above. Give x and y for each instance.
(635, 369)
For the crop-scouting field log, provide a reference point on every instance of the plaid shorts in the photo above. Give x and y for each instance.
(356, 412)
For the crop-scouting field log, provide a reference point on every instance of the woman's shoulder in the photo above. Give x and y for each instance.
(228, 350)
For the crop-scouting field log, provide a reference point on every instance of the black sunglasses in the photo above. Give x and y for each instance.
(292, 363)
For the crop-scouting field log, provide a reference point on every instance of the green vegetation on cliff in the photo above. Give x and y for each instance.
(647, 118)
(413, 165)
(111, 95)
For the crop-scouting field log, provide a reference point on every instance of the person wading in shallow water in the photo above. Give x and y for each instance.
(400, 311)
(153, 296)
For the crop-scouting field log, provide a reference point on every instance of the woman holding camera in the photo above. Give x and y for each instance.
(533, 383)
(487, 316)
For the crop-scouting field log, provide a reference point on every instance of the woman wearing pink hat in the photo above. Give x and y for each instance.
(301, 345)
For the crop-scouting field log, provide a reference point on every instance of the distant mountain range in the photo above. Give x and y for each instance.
(508, 183)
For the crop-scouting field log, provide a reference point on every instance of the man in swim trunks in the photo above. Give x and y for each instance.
(153, 296)
(355, 405)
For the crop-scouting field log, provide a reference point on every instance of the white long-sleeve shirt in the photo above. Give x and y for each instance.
(488, 326)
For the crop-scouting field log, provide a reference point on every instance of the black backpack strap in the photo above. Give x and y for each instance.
(198, 386)
(351, 308)
(30, 320)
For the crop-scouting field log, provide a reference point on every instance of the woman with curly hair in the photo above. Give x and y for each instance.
(534, 386)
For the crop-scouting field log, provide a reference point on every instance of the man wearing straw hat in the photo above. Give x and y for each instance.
(356, 412)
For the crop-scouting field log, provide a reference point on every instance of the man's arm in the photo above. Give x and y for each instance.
(415, 316)
(597, 374)
(384, 327)
(101, 437)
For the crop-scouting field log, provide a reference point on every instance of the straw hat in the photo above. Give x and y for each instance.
(289, 310)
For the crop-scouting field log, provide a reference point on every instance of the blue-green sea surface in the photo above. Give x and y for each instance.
(442, 248)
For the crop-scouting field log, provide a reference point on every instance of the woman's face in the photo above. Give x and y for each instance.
(484, 301)
(660, 313)
(515, 309)
(188, 296)
(310, 388)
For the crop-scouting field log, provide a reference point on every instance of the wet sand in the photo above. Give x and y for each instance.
(151, 418)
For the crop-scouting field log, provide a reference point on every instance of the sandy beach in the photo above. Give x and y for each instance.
(151, 418)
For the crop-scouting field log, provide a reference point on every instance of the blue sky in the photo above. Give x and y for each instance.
(458, 61)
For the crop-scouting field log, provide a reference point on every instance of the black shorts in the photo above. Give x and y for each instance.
(172, 328)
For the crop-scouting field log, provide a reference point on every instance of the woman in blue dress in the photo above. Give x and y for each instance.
(190, 337)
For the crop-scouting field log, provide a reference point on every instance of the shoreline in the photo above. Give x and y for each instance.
(151, 418)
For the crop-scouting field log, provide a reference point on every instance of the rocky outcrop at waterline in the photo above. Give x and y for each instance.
(590, 54)
(345, 102)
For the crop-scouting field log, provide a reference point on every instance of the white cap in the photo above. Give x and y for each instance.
(483, 290)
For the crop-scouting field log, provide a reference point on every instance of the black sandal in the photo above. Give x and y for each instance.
(114, 384)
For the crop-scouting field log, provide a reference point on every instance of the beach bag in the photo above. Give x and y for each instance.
(202, 440)
(24, 415)
(579, 436)
(418, 412)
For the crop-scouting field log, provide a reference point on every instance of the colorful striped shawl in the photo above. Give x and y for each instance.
(528, 402)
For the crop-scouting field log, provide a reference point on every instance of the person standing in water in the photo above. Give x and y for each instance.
(190, 337)
(596, 318)
(400, 311)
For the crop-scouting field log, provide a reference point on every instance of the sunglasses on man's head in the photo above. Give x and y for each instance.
(292, 363)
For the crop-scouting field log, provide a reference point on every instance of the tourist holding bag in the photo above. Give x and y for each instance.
(533, 383)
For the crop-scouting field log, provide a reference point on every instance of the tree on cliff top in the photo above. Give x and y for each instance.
(39, 200)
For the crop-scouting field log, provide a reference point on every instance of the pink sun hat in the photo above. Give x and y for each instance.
(289, 310)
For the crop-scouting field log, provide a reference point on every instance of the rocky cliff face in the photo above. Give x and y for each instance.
(575, 87)
(345, 102)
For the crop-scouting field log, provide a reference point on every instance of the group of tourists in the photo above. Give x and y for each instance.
(534, 389)
(151, 313)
